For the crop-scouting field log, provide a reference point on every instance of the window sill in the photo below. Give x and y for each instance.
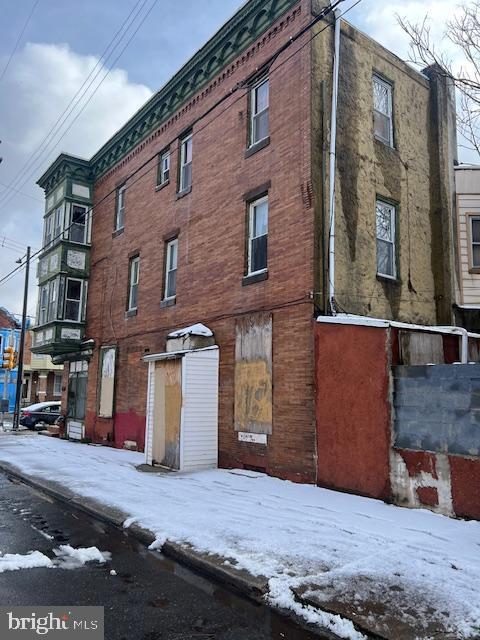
(131, 313)
(168, 302)
(257, 146)
(384, 143)
(159, 187)
(118, 232)
(184, 192)
(474, 270)
(389, 279)
(255, 277)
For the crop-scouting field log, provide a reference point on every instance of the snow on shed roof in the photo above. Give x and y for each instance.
(193, 330)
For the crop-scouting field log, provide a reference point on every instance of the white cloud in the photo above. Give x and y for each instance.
(382, 25)
(41, 81)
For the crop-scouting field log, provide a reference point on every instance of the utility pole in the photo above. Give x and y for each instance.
(21, 349)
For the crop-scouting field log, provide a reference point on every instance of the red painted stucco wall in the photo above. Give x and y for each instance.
(352, 409)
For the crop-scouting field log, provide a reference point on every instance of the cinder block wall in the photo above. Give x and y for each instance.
(435, 461)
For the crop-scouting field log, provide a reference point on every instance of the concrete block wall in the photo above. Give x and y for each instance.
(437, 408)
(435, 458)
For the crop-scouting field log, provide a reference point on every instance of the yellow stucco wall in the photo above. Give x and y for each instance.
(367, 168)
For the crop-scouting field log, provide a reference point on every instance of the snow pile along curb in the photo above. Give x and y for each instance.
(339, 552)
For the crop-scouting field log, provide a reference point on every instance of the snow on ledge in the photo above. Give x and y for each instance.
(193, 330)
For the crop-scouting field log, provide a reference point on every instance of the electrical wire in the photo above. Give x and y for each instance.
(21, 193)
(240, 86)
(34, 163)
(18, 39)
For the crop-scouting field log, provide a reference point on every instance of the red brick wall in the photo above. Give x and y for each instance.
(211, 224)
(352, 408)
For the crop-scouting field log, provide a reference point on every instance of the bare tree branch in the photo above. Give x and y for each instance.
(463, 31)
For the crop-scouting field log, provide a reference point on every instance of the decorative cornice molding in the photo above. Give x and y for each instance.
(234, 38)
(229, 42)
(65, 165)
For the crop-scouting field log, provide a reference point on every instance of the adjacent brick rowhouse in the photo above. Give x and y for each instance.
(210, 223)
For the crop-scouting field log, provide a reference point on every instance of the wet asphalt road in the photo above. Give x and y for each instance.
(150, 598)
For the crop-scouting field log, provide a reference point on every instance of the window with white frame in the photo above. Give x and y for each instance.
(163, 175)
(48, 233)
(257, 235)
(386, 239)
(52, 300)
(475, 241)
(57, 385)
(259, 107)
(43, 304)
(73, 300)
(57, 223)
(171, 263)
(78, 223)
(383, 110)
(133, 275)
(120, 212)
(186, 151)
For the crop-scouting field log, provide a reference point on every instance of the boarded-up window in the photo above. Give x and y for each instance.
(420, 348)
(107, 382)
(253, 374)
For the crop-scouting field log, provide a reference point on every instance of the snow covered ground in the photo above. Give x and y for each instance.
(355, 551)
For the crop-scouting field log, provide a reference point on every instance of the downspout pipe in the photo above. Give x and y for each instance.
(332, 168)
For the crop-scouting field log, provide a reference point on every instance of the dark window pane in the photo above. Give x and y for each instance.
(72, 309)
(74, 289)
(476, 230)
(476, 255)
(171, 283)
(259, 253)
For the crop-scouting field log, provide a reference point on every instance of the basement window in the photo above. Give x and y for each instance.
(383, 110)
(257, 236)
(386, 239)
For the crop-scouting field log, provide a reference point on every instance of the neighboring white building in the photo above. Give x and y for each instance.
(468, 246)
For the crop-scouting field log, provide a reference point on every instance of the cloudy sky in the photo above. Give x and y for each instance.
(63, 41)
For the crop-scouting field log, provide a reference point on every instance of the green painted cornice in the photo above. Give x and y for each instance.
(65, 166)
(236, 35)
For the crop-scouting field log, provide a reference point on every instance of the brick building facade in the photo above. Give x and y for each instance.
(210, 207)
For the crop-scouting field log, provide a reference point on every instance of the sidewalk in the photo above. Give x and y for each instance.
(349, 564)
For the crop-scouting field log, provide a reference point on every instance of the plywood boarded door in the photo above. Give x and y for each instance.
(253, 374)
(167, 413)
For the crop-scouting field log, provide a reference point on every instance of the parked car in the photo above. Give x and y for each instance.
(38, 416)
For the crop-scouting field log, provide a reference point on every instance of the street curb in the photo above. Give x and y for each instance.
(241, 581)
(250, 586)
